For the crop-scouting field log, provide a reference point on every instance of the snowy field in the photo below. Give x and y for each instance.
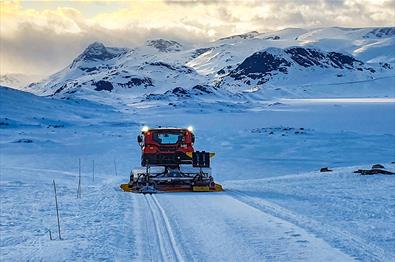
(277, 206)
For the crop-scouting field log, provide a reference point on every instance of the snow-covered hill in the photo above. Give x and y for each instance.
(25, 110)
(252, 66)
(294, 65)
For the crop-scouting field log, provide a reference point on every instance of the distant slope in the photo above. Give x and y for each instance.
(18, 80)
(36, 111)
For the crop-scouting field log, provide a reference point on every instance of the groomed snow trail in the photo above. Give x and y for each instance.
(344, 240)
(168, 249)
(228, 226)
(218, 227)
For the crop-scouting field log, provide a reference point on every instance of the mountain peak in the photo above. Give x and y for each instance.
(164, 45)
(95, 46)
(98, 52)
(95, 51)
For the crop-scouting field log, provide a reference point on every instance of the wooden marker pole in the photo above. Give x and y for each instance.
(57, 211)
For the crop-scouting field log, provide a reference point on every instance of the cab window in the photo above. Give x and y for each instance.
(167, 138)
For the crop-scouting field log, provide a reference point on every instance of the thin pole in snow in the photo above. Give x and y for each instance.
(93, 170)
(79, 179)
(57, 210)
(115, 167)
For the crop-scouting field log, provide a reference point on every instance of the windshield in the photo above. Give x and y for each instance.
(167, 138)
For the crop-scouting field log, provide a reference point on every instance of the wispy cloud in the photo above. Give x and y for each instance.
(44, 36)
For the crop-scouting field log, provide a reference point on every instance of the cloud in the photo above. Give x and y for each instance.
(38, 50)
(46, 36)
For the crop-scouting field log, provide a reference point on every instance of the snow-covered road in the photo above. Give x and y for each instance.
(108, 224)
(218, 227)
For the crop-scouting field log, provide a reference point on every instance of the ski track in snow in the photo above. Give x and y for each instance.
(218, 227)
(343, 240)
(167, 244)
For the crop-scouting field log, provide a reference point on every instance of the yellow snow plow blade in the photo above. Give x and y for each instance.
(126, 188)
(217, 188)
(190, 154)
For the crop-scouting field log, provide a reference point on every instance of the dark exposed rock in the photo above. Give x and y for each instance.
(179, 92)
(264, 65)
(200, 51)
(221, 72)
(325, 169)
(276, 104)
(103, 85)
(135, 81)
(284, 130)
(88, 69)
(162, 64)
(60, 89)
(276, 37)
(377, 166)
(259, 64)
(55, 126)
(340, 60)
(150, 97)
(164, 45)
(23, 140)
(366, 172)
(305, 56)
(183, 69)
(202, 89)
(386, 66)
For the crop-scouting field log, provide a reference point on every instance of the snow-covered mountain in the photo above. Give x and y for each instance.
(252, 65)
(18, 81)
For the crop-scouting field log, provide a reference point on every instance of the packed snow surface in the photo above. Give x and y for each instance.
(276, 206)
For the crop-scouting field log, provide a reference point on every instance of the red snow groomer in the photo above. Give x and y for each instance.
(170, 163)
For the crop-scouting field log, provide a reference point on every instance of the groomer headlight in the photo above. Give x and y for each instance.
(144, 129)
(190, 128)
